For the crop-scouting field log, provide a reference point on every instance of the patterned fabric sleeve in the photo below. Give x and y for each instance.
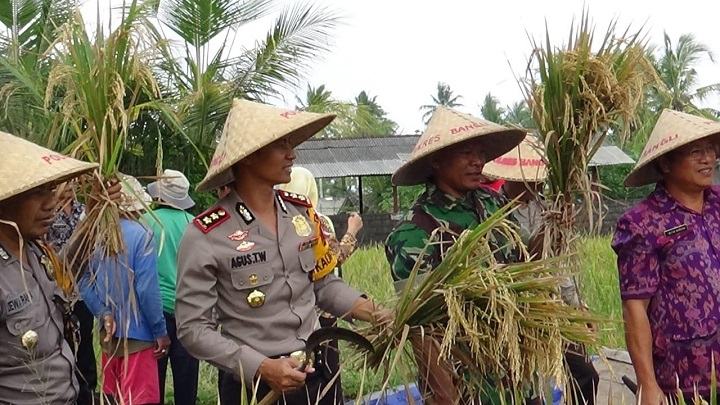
(637, 261)
(345, 247)
(404, 247)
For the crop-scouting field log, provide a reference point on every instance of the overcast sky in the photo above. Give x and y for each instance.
(398, 50)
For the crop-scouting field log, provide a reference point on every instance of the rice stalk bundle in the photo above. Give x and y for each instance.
(578, 94)
(99, 86)
(491, 321)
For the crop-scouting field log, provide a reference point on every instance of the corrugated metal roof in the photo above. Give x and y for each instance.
(352, 157)
(609, 155)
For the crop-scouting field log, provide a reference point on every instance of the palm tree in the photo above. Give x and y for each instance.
(491, 109)
(445, 97)
(675, 65)
(519, 114)
(364, 117)
(382, 125)
(206, 78)
(31, 28)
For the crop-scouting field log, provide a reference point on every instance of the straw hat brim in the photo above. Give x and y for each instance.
(647, 172)
(417, 170)
(524, 163)
(54, 179)
(26, 165)
(297, 136)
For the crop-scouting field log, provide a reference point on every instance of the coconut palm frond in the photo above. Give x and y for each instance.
(197, 22)
(300, 35)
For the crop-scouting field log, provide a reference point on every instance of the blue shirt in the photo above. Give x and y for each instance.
(127, 286)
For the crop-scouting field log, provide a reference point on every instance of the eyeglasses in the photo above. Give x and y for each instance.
(697, 153)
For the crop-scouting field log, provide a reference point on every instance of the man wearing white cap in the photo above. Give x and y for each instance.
(260, 258)
(168, 222)
(668, 249)
(123, 292)
(36, 363)
(449, 159)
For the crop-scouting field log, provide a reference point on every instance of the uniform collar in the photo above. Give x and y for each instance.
(446, 201)
(667, 204)
(5, 255)
(32, 247)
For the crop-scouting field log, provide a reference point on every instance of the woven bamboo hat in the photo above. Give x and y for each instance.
(525, 162)
(249, 127)
(449, 127)
(673, 130)
(25, 165)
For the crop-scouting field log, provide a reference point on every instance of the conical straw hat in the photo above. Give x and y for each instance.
(673, 129)
(25, 165)
(249, 127)
(448, 127)
(525, 162)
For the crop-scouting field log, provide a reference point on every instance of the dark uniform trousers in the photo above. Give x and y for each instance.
(315, 384)
(185, 368)
(584, 380)
(86, 366)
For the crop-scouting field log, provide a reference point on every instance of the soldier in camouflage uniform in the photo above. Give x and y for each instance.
(450, 215)
(449, 160)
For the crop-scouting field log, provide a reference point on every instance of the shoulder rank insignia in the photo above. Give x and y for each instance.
(244, 212)
(295, 198)
(208, 220)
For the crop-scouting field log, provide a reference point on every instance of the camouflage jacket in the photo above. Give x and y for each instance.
(434, 209)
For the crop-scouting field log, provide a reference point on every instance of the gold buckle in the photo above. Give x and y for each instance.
(299, 355)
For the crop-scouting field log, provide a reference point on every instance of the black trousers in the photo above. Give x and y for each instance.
(315, 384)
(185, 368)
(86, 367)
(584, 380)
(331, 354)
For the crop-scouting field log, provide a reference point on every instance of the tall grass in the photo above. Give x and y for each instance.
(598, 280)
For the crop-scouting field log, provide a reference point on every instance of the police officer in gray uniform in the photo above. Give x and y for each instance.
(260, 259)
(36, 363)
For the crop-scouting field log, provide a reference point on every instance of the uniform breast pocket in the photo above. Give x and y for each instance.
(252, 277)
(19, 324)
(307, 260)
(24, 321)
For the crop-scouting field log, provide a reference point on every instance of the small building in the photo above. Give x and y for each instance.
(381, 156)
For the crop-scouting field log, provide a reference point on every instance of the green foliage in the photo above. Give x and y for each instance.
(675, 65)
(378, 195)
(445, 97)
(363, 117)
(600, 288)
(491, 109)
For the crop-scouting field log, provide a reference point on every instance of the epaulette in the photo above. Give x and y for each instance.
(295, 198)
(210, 219)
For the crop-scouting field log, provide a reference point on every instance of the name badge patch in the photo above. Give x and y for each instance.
(19, 303)
(676, 230)
(248, 259)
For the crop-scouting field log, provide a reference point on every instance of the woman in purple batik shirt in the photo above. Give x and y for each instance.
(668, 249)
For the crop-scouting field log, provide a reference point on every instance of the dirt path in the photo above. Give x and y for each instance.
(612, 390)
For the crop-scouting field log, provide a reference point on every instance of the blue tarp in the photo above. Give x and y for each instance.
(398, 396)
